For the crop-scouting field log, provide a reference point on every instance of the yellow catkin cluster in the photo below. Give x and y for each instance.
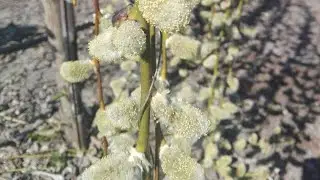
(167, 15)
(113, 44)
(75, 71)
(178, 165)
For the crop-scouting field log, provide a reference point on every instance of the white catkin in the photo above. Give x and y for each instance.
(178, 165)
(168, 16)
(75, 71)
(188, 122)
(114, 166)
(183, 47)
(129, 39)
(102, 47)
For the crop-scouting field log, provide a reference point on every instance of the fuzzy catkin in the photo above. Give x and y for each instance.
(167, 15)
(129, 39)
(119, 116)
(178, 165)
(101, 121)
(121, 143)
(75, 71)
(160, 107)
(188, 122)
(106, 168)
(114, 166)
(123, 114)
(183, 47)
(113, 44)
(181, 119)
(102, 47)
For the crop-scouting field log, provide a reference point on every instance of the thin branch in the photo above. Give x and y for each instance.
(164, 37)
(99, 83)
(154, 77)
(97, 71)
(159, 137)
(105, 145)
(95, 60)
(97, 16)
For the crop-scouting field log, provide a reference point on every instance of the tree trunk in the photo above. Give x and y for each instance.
(60, 22)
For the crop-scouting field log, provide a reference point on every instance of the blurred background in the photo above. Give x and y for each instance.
(278, 71)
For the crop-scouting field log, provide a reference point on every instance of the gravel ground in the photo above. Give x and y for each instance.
(280, 73)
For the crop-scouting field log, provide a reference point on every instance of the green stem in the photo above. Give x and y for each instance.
(164, 37)
(146, 76)
(146, 71)
(152, 36)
